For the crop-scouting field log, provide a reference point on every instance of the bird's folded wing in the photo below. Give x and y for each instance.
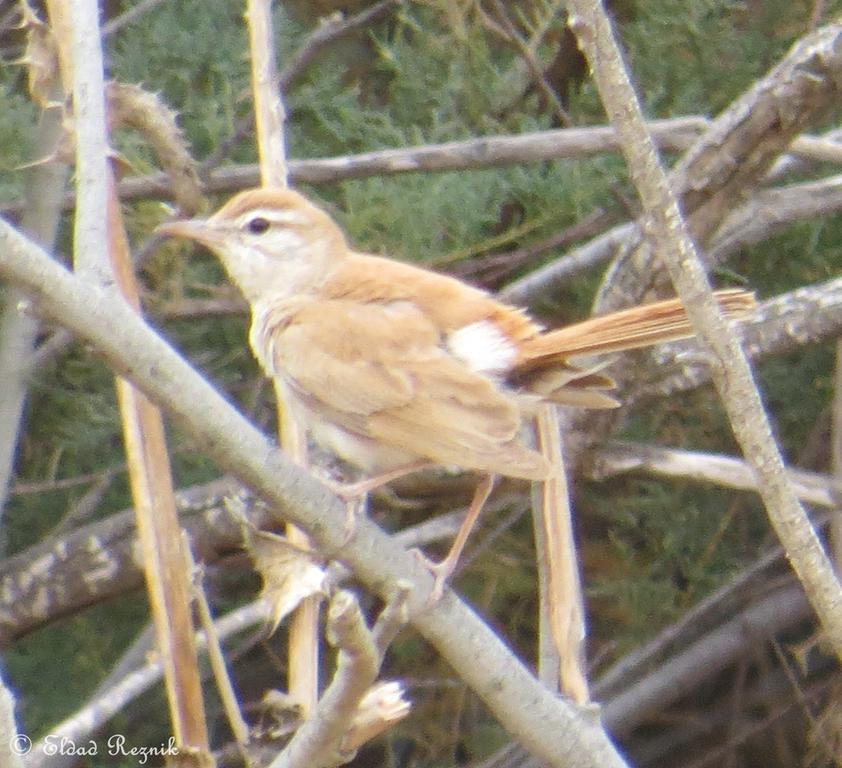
(380, 370)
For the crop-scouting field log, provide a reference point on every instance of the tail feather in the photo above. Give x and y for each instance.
(546, 371)
(628, 329)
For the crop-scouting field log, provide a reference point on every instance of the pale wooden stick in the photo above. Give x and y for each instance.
(102, 258)
(564, 588)
(224, 684)
(303, 652)
(835, 536)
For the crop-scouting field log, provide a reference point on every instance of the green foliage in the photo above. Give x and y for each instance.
(17, 115)
(665, 545)
(432, 73)
(695, 58)
(194, 53)
(62, 664)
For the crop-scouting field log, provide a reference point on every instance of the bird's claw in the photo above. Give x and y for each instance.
(441, 572)
(354, 509)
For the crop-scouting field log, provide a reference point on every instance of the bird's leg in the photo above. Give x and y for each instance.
(443, 570)
(353, 494)
(361, 487)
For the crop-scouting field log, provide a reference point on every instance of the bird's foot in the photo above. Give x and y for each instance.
(355, 498)
(441, 571)
(355, 508)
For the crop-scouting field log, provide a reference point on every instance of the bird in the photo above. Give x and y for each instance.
(393, 367)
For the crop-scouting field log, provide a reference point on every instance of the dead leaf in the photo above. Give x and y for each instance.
(290, 573)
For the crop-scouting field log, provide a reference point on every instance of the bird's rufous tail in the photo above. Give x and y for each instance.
(632, 328)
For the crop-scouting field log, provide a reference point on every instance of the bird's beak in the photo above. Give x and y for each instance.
(192, 229)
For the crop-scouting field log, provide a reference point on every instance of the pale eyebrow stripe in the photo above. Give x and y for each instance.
(272, 214)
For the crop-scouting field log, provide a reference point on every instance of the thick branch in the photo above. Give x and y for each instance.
(714, 651)
(90, 235)
(552, 729)
(730, 370)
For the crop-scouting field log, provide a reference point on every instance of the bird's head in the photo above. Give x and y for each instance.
(268, 239)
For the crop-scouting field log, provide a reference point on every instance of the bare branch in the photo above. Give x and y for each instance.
(737, 152)
(269, 115)
(12, 744)
(805, 316)
(392, 618)
(768, 211)
(326, 34)
(771, 210)
(104, 705)
(835, 537)
(224, 684)
(485, 152)
(96, 562)
(503, 27)
(129, 17)
(320, 739)
(565, 600)
(618, 457)
(269, 118)
(714, 651)
(730, 371)
(90, 235)
(551, 728)
(19, 328)
(323, 36)
(711, 634)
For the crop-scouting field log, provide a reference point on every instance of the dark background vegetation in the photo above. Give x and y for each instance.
(430, 72)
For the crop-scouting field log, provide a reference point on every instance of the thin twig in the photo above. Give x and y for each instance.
(128, 17)
(96, 712)
(503, 27)
(325, 34)
(224, 684)
(617, 457)
(672, 678)
(392, 618)
(320, 739)
(564, 588)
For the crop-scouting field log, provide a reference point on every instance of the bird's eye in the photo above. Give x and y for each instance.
(258, 225)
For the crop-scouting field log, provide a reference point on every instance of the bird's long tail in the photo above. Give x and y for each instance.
(632, 328)
(545, 368)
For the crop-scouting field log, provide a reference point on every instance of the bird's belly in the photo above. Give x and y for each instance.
(368, 455)
(362, 452)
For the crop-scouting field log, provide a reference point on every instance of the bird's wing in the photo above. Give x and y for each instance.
(383, 371)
